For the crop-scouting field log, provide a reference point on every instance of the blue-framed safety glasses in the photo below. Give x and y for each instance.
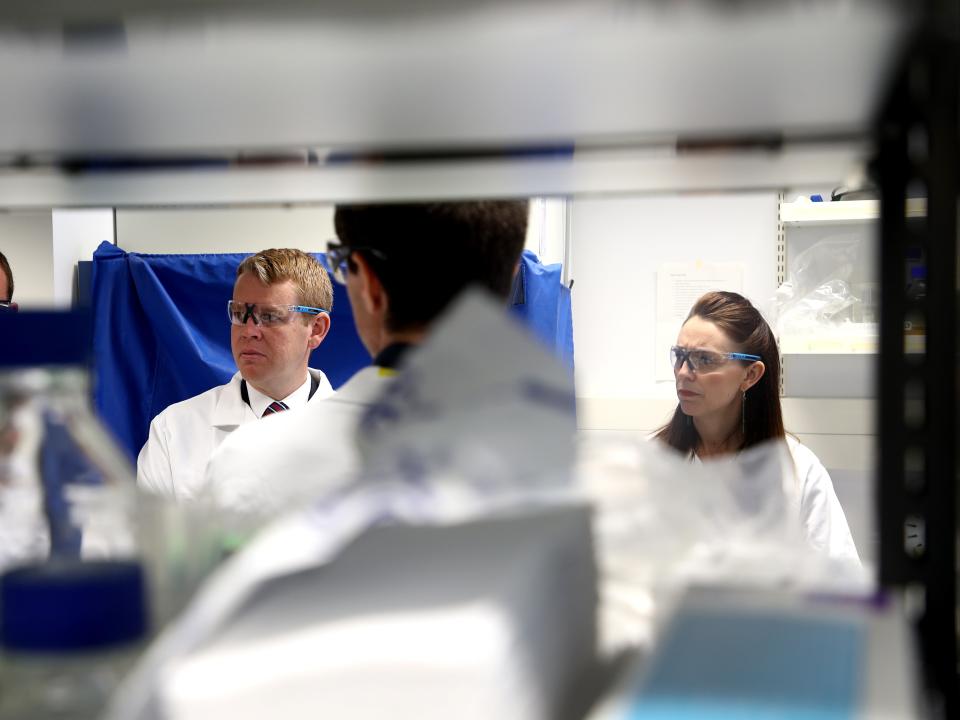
(705, 360)
(267, 315)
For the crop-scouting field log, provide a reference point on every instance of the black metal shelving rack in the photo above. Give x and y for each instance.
(917, 156)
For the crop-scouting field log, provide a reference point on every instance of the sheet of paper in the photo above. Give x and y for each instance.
(679, 286)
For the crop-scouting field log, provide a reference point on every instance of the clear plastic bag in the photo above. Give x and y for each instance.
(663, 523)
(819, 290)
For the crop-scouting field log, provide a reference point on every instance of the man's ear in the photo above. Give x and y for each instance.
(754, 373)
(371, 292)
(318, 330)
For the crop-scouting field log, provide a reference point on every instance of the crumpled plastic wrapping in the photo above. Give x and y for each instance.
(663, 524)
(819, 291)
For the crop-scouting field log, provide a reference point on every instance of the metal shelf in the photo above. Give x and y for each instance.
(842, 212)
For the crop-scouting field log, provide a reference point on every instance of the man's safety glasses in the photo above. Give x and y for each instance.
(8, 306)
(338, 254)
(266, 315)
(705, 360)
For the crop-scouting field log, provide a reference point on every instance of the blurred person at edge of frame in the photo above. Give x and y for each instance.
(727, 371)
(6, 286)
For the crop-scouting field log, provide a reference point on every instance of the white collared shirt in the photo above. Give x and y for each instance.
(260, 402)
(265, 468)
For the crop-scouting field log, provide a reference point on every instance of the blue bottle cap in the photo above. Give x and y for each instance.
(71, 605)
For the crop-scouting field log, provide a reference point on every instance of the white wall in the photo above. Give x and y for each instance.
(618, 245)
(26, 238)
(224, 230)
(250, 229)
(76, 236)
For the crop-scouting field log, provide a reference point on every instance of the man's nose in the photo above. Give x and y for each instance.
(250, 327)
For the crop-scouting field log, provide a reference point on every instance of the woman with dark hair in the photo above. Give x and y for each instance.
(727, 370)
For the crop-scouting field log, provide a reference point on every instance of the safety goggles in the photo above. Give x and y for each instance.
(266, 315)
(8, 306)
(338, 254)
(704, 361)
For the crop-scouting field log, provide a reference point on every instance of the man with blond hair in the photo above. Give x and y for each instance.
(279, 314)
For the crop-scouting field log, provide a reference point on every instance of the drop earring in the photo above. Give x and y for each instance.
(743, 414)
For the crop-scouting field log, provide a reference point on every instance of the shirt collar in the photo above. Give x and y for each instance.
(260, 402)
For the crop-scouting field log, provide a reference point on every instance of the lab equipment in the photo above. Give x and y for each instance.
(71, 630)
(486, 619)
(87, 565)
(729, 653)
(69, 623)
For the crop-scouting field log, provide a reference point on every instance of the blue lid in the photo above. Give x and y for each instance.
(72, 605)
(44, 338)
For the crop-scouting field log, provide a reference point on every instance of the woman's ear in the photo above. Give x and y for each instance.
(754, 372)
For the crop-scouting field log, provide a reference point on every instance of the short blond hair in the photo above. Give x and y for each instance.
(305, 271)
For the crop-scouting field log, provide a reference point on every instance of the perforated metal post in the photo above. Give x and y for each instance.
(917, 137)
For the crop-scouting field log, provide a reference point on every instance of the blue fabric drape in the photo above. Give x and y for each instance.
(543, 302)
(161, 334)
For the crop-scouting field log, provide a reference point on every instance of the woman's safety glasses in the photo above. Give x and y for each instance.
(266, 315)
(705, 360)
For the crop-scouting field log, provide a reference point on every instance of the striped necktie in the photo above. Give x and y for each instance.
(275, 407)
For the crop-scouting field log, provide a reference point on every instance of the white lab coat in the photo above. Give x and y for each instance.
(811, 491)
(183, 437)
(821, 516)
(266, 468)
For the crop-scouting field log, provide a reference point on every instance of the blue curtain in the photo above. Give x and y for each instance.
(161, 334)
(542, 301)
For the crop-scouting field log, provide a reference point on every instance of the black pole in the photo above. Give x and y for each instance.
(917, 156)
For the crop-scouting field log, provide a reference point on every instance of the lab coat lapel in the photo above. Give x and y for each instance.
(230, 410)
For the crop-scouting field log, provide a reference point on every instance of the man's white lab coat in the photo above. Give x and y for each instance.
(184, 436)
(265, 468)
